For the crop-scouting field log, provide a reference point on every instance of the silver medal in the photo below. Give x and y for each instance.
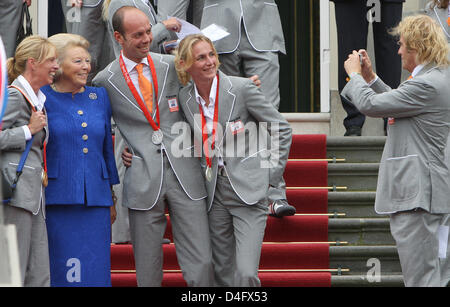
(208, 173)
(157, 137)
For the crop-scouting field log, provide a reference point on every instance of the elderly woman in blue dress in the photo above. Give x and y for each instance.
(81, 170)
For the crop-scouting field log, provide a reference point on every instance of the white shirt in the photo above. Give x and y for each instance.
(131, 68)
(417, 69)
(208, 110)
(37, 100)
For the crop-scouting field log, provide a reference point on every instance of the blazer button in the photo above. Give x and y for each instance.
(80, 112)
(85, 137)
(158, 150)
(85, 150)
(84, 125)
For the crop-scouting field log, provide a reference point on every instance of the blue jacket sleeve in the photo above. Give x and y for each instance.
(108, 148)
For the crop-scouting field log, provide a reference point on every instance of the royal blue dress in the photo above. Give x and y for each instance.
(81, 169)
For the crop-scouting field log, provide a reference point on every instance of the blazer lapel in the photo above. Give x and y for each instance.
(117, 80)
(226, 104)
(193, 108)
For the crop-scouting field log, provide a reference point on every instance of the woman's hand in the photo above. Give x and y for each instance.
(38, 120)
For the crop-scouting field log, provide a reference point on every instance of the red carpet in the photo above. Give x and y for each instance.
(295, 252)
(309, 201)
(306, 174)
(308, 146)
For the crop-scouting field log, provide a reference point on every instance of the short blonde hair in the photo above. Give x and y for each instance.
(422, 34)
(62, 42)
(35, 47)
(184, 58)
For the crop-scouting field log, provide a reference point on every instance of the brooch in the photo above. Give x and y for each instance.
(93, 96)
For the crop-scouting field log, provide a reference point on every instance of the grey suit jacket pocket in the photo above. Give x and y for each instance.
(405, 174)
(28, 187)
(136, 183)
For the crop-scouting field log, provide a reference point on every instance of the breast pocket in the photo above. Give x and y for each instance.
(405, 173)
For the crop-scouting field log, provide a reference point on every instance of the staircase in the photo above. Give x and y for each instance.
(370, 254)
(335, 239)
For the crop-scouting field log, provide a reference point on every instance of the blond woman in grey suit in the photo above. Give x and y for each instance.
(33, 66)
(256, 37)
(222, 108)
(413, 180)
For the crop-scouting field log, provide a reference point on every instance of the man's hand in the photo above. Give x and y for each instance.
(366, 69)
(255, 80)
(352, 64)
(75, 3)
(127, 157)
(113, 213)
(172, 24)
(28, 2)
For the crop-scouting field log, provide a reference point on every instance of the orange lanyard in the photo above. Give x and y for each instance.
(205, 131)
(136, 95)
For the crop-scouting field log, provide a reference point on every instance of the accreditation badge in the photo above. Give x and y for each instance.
(173, 104)
(236, 127)
(391, 120)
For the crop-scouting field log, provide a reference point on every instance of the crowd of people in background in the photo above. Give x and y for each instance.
(95, 109)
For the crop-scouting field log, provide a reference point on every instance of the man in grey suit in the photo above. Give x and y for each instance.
(256, 38)
(235, 115)
(413, 180)
(10, 11)
(157, 176)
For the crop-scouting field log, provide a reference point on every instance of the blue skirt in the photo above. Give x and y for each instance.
(79, 239)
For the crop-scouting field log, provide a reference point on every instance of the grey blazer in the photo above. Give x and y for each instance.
(250, 168)
(413, 173)
(261, 21)
(29, 189)
(159, 31)
(143, 180)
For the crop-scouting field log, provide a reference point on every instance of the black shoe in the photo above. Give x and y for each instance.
(353, 131)
(280, 208)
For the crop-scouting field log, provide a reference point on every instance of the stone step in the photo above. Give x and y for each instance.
(393, 280)
(367, 149)
(360, 231)
(354, 176)
(366, 259)
(353, 204)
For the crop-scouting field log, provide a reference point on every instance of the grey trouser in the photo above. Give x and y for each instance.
(416, 236)
(32, 243)
(190, 230)
(237, 233)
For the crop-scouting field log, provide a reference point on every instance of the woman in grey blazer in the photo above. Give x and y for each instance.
(231, 112)
(33, 66)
